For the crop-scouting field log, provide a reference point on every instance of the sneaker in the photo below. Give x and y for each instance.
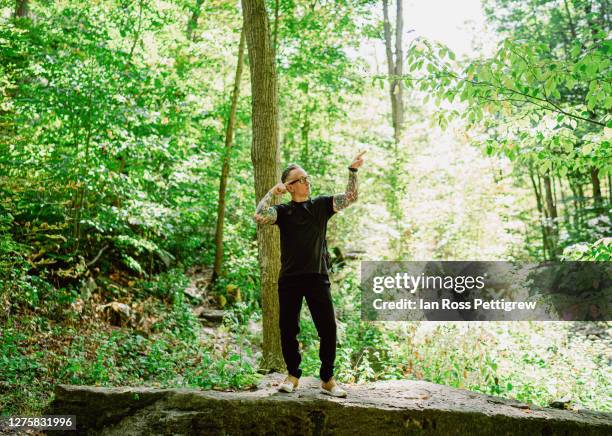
(334, 391)
(289, 384)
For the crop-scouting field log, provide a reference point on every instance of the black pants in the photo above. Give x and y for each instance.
(318, 298)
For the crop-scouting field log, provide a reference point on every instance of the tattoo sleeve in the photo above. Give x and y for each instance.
(342, 201)
(265, 214)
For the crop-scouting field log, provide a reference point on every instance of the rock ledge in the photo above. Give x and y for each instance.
(389, 408)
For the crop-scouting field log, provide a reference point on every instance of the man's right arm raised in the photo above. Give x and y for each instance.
(265, 214)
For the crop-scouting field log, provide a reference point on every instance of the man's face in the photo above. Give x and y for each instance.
(299, 185)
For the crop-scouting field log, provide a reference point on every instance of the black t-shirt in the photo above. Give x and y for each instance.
(303, 228)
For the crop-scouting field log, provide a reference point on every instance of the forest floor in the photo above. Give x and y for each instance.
(145, 336)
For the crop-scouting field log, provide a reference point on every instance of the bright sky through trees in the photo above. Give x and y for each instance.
(453, 23)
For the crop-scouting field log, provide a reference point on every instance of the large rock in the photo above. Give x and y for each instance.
(386, 408)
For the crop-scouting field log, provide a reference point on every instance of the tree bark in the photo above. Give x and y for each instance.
(574, 202)
(229, 136)
(564, 201)
(399, 70)
(540, 211)
(550, 203)
(552, 214)
(276, 14)
(22, 9)
(395, 67)
(192, 24)
(596, 186)
(395, 70)
(581, 200)
(138, 29)
(569, 19)
(265, 157)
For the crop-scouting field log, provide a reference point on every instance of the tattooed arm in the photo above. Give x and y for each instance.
(342, 201)
(266, 214)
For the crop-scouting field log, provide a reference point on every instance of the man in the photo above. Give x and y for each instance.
(304, 267)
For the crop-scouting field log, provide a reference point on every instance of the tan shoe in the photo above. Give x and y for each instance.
(331, 388)
(289, 384)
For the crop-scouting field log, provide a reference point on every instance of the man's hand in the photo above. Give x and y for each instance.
(265, 214)
(358, 160)
(259, 219)
(279, 189)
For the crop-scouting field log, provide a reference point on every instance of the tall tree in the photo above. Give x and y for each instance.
(395, 66)
(395, 60)
(192, 24)
(229, 135)
(22, 9)
(265, 156)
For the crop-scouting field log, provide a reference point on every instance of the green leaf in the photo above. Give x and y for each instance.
(575, 50)
(587, 148)
(545, 166)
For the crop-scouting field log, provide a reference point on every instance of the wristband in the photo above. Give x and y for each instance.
(354, 170)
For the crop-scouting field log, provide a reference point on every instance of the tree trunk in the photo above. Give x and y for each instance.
(229, 135)
(581, 199)
(540, 211)
(564, 200)
(550, 203)
(552, 214)
(138, 30)
(265, 158)
(399, 70)
(395, 67)
(305, 131)
(596, 186)
(22, 9)
(192, 24)
(576, 214)
(276, 13)
(570, 21)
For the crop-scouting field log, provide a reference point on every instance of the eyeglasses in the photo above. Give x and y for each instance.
(303, 180)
